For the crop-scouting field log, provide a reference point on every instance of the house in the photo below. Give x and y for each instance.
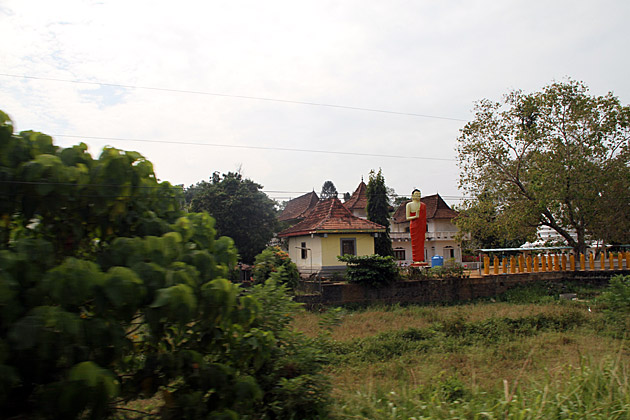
(357, 203)
(298, 208)
(440, 236)
(328, 230)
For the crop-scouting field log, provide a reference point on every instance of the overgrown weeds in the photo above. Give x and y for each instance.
(541, 357)
(592, 390)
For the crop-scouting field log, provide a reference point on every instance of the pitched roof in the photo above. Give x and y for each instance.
(358, 200)
(436, 209)
(331, 216)
(299, 207)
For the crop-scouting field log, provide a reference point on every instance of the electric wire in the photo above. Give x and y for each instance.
(225, 95)
(235, 146)
(162, 188)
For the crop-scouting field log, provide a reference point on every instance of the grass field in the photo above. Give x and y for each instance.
(526, 355)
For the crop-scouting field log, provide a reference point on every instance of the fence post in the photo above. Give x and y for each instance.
(512, 265)
(486, 265)
(564, 262)
(535, 264)
(572, 262)
(504, 265)
(496, 265)
(543, 262)
(620, 260)
(556, 262)
(582, 262)
(521, 263)
(528, 264)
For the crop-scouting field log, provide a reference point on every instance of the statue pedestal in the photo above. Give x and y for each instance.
(419, 264)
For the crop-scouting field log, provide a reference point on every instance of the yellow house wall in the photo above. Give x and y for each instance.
(331, 247)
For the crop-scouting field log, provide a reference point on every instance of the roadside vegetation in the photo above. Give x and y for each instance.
(115, 303)
(526, 354)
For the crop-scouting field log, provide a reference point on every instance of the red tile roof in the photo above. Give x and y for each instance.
(358, 200)
(436, 209)
(331, 216)
(299, 207)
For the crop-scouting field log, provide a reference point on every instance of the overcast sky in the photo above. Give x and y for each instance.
(190, 72)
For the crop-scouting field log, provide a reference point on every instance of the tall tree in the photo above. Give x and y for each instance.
(480, 225)
(328, 190)
(241, 210)
(378, 211)
(556, 158)
(110, 292)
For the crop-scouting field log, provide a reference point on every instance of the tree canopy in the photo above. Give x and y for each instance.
(378, 211)
(241, 209)
(110, 292)
(556, 158)
(328, 190)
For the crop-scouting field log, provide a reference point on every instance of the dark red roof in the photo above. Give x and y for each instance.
(358, 200)
(436, 209)
(299, 207)
(331, 216)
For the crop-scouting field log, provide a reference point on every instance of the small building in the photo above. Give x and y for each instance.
(327, 231)
(297, 209)
(357, 203)
(440, 236)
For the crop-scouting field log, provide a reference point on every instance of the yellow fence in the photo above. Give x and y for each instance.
(526, 263)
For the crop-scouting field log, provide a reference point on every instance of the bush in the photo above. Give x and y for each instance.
(275, 263)
(616, 301)
(109, 293)
(370, 270)
(295, 387)
(450, 269)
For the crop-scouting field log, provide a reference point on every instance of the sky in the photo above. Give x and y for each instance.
(294, 93)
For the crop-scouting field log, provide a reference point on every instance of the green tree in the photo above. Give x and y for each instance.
(480, 225)
(378, 211)
(132, 300)
(276, 264)
(556, 158)
(241, 210)
(400, 199)
(328, 190)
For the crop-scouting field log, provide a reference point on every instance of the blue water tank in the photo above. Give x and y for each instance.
(437, 261)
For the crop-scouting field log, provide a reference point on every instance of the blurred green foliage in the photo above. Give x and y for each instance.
(110, 292)
(275, 263)
(371, 270)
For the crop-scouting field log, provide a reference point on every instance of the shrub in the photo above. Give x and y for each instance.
(450, 269)
(292, 376)
(617, 303)
(275, 263)
(116, 293)
(370, 270)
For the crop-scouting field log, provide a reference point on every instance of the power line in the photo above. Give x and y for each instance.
(160, 187)
(225, 95)
(283, 149)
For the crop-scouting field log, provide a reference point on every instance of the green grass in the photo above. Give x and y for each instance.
(526, 355)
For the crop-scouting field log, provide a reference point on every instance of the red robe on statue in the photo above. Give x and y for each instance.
(418, 230)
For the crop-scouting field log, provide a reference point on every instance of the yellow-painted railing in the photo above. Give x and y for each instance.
(528, 263)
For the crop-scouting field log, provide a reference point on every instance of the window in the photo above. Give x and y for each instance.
(348, 246)
(304, 251)
(399, 254)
